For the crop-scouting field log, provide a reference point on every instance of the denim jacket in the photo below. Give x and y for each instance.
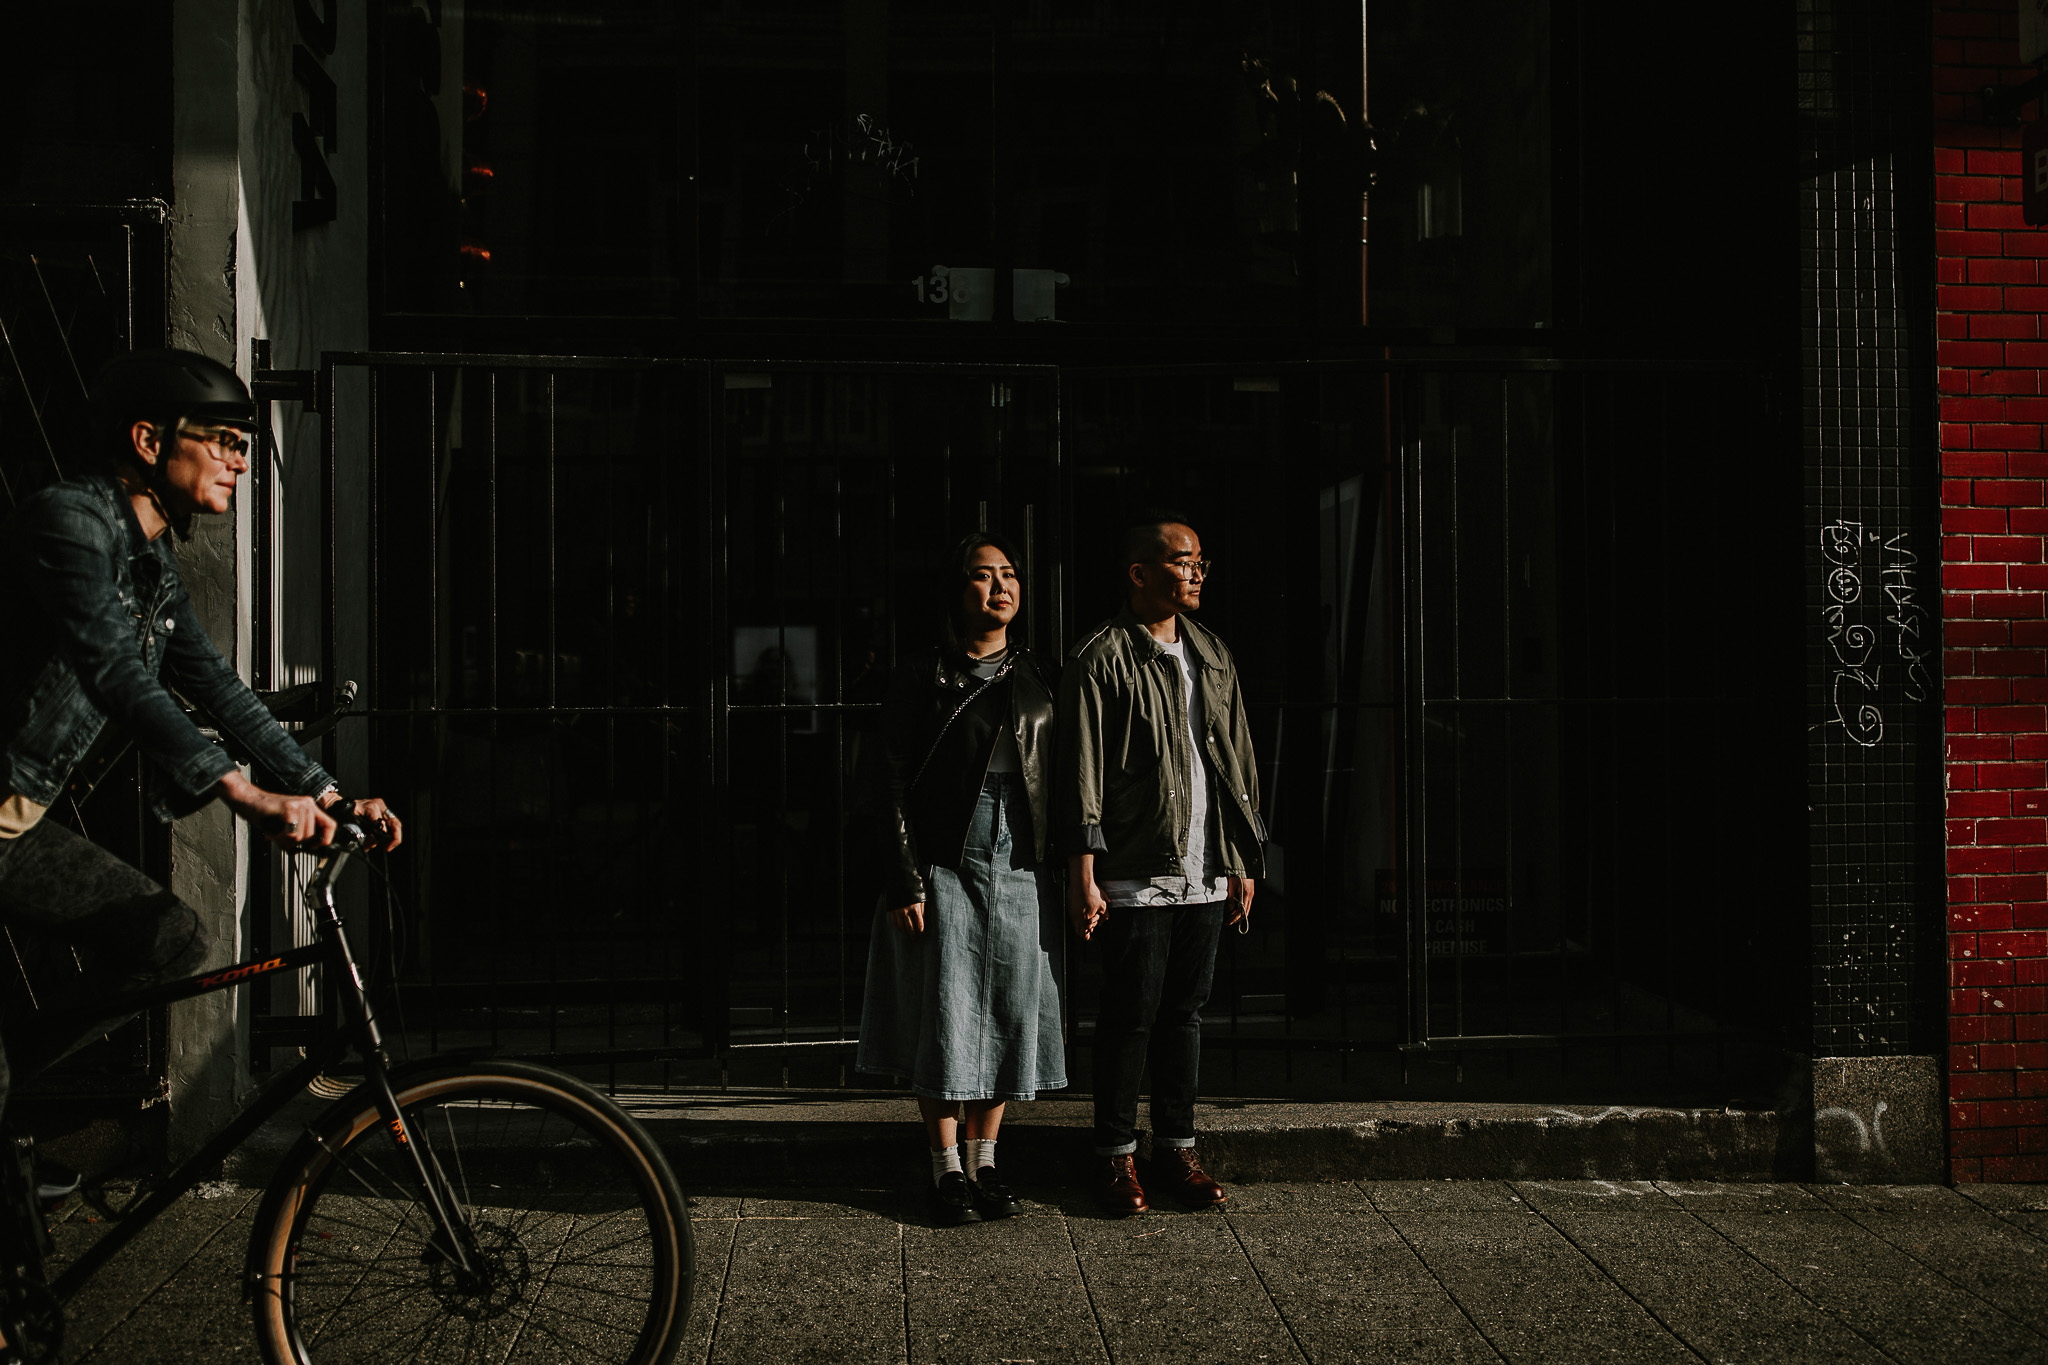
(92, 615)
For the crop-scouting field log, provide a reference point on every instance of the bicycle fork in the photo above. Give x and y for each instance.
(452, 1238)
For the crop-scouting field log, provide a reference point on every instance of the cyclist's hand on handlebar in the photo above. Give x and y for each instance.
(286, 821)
(369, 810)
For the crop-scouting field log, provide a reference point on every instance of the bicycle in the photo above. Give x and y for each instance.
(447, 1209)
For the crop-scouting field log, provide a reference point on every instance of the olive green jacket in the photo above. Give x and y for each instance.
(1121, 781)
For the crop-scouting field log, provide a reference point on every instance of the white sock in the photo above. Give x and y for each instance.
(980, 1152)
(942, 1162)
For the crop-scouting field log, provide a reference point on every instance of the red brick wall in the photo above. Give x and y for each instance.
(1993, 358)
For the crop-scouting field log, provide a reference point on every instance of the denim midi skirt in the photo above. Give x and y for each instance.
(970, 1008)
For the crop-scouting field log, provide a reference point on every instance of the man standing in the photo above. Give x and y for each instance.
(1158, 796)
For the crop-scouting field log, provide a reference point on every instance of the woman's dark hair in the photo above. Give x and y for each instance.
(953, 572)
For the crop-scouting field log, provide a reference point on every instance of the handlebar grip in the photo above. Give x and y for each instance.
(350, 836)
(358, 836)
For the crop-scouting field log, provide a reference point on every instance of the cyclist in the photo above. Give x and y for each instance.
(94, 623)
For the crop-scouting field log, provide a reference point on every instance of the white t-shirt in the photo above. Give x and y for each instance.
(1197, 883)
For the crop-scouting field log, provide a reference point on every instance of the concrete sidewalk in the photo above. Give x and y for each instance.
(1296, 1272)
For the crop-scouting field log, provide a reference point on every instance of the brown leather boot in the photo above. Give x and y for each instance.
(1116, 1185)
(1177, 1171)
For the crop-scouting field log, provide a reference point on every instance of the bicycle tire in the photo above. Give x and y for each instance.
(584, 1233)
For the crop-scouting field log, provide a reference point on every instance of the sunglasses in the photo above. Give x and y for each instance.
(228, 440)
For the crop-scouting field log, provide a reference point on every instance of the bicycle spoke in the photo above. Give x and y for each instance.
(537, 1323)
(412, 1344)
(592, 1291)
(448, 1120)
(400, 1192)
(353, 1289)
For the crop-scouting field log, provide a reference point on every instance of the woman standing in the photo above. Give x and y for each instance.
(964, 979)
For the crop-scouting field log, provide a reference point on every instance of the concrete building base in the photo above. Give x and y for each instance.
(744, 1139)
(1878, 1121)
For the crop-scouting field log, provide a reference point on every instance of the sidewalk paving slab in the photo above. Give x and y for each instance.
(1890, 1199)
(1533, 1294)
(1012, 1290)
(1705, 1290)
(1178, 1290)
(196, 1314)
(162, 1278)
(2035, 1224)
(1912, 1313)
(1976, 1253)
(1638, 1197)
(1763, 1197)
(2007, 1198)
(1443, 1196)
(811, 1290)
(1352, 1290)
(1334, 1197)
(1572, 1271)
(714, 1235)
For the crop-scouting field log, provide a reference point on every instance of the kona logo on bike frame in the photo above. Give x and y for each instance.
(398, 1130)
(237, 973)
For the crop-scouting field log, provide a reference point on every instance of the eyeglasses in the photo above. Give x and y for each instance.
(228, 440)
(1189, 569)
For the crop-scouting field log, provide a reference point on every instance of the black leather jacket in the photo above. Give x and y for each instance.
(938, 753)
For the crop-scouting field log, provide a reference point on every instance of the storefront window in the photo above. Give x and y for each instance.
(879, 160)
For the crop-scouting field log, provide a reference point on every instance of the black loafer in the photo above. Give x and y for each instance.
(952, 1200)
(992, 1197)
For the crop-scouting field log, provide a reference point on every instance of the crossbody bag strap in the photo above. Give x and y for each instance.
(931, 753)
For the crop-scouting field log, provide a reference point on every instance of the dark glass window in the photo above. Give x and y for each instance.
(85, 113)
(860, 159)
(531, 159)
(843, 153)
(1157, 158)
(1460, 231)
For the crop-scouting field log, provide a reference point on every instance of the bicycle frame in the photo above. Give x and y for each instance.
(357, 1032)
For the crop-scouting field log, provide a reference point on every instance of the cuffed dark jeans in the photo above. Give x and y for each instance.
(1157, 964)
(131, 933)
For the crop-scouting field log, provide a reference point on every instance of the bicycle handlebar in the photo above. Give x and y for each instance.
(350, 836)
(353, 837)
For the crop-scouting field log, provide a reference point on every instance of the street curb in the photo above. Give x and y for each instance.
(1623, 1144)
(1617, 1143)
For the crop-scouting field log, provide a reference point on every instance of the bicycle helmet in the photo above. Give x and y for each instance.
(152, 386)
(167, 388)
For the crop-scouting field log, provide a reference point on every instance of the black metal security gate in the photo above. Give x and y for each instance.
(1504, 624)
(1600, 812)
(79, 285)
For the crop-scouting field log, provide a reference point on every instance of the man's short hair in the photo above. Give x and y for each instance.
(1145, 535)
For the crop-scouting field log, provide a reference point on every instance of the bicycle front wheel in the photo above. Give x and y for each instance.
(582, 1247)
